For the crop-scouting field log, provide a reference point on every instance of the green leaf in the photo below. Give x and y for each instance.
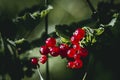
(65, 40)
(45, 12)
(63, 33)
(116, 28)
(26, 23)
(93, 40)
(35, 15)
(22, 45)
(20, 41)
(91, 34)
(99, 31)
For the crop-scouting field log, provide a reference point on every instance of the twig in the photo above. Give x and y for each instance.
(46, 32)
(91, 6)
(90, 62)
(84, 77)
(41, 78)
(46, 18)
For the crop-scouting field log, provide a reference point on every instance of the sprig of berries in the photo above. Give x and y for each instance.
(42, 59)
(76, 52)
(72, 52)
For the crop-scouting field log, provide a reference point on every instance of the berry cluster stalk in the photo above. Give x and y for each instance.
(41, 78)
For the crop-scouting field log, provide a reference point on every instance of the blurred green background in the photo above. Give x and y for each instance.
(64, 12)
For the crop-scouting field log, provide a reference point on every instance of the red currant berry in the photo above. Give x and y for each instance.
(77, 56)
(50, 42)
(76, 46)
(79, 33)
(83, 52)
(43, 59)
(55, 51)
(74, 40)
(71, 52)
(63, 50)
(71, 64)
(78, 63)
(44, 50)
(34, 61)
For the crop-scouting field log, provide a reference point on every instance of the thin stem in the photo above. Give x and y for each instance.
(46, 24)
(46, 31)
(46, 18)
(84, 77)
(41, 78)
(90, 62)
(91, 6)
(47, 70)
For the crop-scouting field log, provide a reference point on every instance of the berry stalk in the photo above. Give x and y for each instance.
(41, 78)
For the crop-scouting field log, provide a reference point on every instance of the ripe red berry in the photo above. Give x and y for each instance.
(79, 33)
(77, 56)
(54, 51)
(64, 47)
(44, 50)
(43, 59)
(34, 61)
(76, 46)
(50, 42)
(83, 52)
(78, 63)
(63, 50)
(71, 52)
(74, 40)
(71, 64)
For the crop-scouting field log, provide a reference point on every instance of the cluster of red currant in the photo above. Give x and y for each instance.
(73, 52)
(76, 52)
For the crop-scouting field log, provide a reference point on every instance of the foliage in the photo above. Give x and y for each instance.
(10, 50)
